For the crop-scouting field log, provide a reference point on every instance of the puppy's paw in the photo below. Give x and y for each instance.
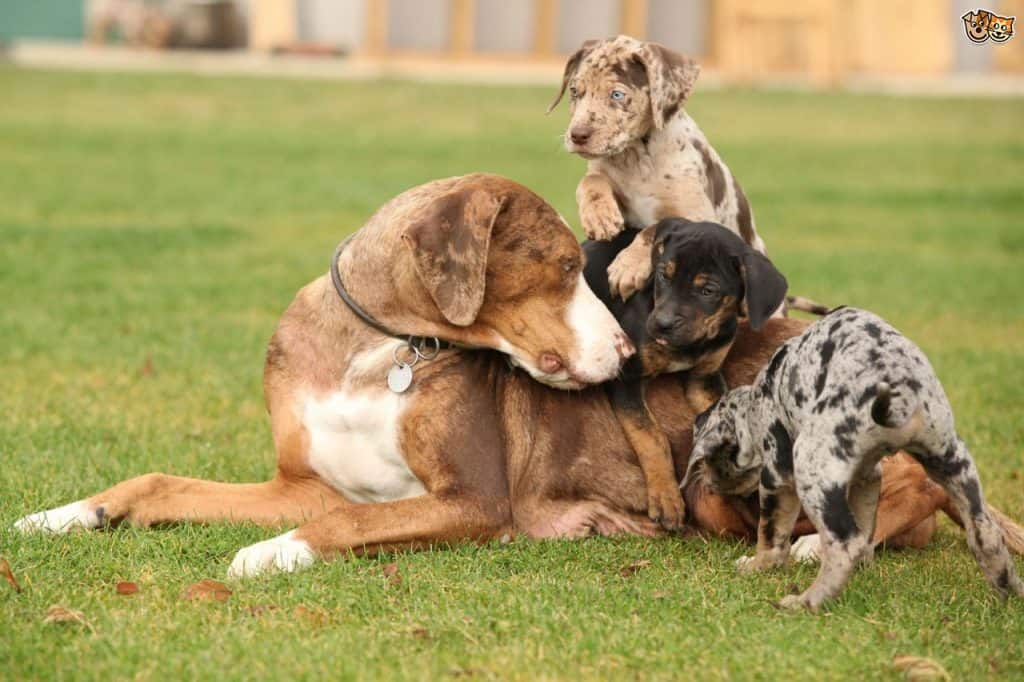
(753, 564)
(62, 519)
(667, 508)
(283, 553)
(760, 561)
(794, 602)
(630, 270)
(806, 549)
(601, 219)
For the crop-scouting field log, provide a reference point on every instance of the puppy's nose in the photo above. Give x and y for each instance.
(623, 346)
(663, 325)
(580, 134)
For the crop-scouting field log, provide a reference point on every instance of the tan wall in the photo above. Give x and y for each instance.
(917, 40)
(828, 39)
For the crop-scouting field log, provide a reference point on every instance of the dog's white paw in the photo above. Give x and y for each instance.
(283, 553)
(743, 564)
(806, 548)
(62, 519)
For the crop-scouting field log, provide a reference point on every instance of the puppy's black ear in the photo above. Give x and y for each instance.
(570, 69)
(764, 287)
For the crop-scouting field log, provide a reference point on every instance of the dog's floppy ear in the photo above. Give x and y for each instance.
(671, 77)
(764, 287)
(698, 452)
(570, 69)
(449, 249)
(697, 456)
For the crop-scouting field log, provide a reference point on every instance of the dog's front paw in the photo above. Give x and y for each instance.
(630, 270)
(62, 519)
(283, 553)
(806, 549)
(601, 219)
(667, 508)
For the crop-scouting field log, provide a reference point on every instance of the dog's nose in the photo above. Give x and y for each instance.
(550, 363)
(624, 347)
(663, 325)
(580, 134)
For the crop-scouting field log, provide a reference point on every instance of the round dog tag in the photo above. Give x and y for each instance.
(400, 378)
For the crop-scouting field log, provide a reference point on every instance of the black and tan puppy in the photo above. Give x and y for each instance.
(705, 279)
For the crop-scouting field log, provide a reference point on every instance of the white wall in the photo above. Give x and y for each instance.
(679, 25)
(418, 24)
(580, 20)
(504, 26)
(335, 22)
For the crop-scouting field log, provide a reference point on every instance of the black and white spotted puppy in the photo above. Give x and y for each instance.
(811, 431)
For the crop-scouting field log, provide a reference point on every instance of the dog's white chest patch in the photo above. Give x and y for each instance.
(354, 445)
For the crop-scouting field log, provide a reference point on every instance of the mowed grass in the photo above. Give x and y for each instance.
(153, 227)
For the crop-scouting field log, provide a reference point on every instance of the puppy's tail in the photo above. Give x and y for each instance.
(881, 409)
(806, 305)
(887, 413)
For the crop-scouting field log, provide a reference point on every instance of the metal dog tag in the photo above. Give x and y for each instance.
(400, 378)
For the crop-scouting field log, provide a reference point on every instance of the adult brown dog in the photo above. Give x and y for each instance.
(474, 449)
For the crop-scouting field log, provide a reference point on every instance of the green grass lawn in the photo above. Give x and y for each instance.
(153, 228)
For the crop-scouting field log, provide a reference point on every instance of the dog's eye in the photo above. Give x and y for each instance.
(708, 290)
(573, 92)
(617, 95)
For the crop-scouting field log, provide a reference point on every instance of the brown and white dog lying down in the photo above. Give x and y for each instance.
(647, 160)
(474, 449)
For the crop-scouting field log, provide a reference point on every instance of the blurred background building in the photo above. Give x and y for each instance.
(824, 42)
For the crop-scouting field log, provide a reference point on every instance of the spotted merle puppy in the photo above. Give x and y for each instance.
(811, 431)
(685, 320)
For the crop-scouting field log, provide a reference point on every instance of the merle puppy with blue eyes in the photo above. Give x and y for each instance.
(705, 280)
(812, 430)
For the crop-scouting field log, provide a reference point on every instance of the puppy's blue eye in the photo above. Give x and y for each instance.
(618, 94)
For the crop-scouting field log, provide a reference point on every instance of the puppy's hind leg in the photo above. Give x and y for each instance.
(824, 487)
(864, 494)
(953, 468)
